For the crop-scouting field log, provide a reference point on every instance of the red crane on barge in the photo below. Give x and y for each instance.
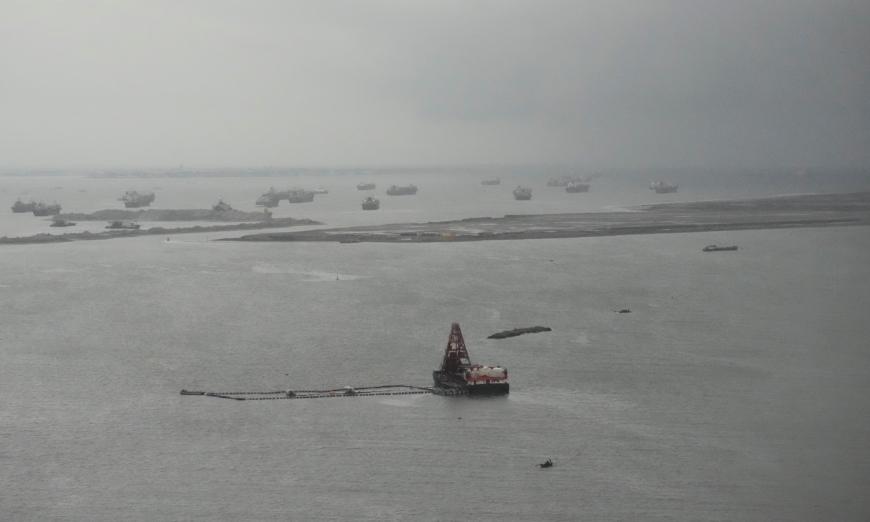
(458, 376)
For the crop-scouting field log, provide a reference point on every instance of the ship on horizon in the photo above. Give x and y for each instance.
(522, 193)
(371, 203)
(663, 187)
(20, 206)
(134, 199)
(403, 190)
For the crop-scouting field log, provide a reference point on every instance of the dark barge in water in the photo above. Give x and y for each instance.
(458, 376)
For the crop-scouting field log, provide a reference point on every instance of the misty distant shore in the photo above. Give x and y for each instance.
(816, 210)
(112, 234)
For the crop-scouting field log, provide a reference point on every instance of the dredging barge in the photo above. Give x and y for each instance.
(458, 376)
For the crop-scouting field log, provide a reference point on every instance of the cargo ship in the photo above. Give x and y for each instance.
(365, 186)
(271, 198)
(122, 225)
(494, 181)
(522, 193)
(61, 223)
(20, 206)
(133, 199)
(663, 187)
(371, 203)
(405, 190)
(458, 376)
(717, 248)
(577, 186)
(41, 209)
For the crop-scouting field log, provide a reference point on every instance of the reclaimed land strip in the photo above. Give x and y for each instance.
(817, 210)
(519, 331)
(83, 236)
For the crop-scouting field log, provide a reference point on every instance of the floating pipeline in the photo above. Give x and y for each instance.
(348, 391)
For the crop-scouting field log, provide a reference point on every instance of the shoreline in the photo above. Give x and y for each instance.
(800, 211)
(46, 238)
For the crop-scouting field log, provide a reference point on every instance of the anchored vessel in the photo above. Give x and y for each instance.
(717, 248)
(564, 181)
(20, 206)
(458, 376)
(365, 186)
(271, 198)
(133, 199)
(522, 193)
(41, 209)
(405, 190)
(122, 225)
(663, 187)
(577, 186)
(61, 223)
(371, 203)
(221, 206)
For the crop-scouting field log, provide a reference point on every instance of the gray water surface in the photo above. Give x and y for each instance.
(737, 389)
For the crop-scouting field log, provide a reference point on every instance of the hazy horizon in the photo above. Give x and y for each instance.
(386, 84)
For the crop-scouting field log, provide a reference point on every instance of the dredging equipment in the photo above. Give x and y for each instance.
(458, 376)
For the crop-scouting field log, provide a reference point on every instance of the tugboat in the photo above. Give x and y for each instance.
(493, 181)
(221, 206)
(123, 225)
(717, 248)
(458, 376)
(365, 186)
(406, 190)
(577, 186)
(61, 223)
(133, 199)
(20, 206)
(371, 203)
(522, 193)
(663, 187)
(41, 209)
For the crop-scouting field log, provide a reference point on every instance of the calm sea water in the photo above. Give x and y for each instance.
(737, 389)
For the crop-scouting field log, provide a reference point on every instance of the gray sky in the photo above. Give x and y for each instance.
(742, 83)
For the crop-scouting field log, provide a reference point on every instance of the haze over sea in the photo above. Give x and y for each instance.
(737, 389)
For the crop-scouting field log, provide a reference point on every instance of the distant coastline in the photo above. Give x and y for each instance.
(85, 236)
(817, 210)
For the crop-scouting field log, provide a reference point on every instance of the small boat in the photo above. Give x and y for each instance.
(365, 186)
(494, 181)
(717, 248)
(62, 223)
(320, 190)
(547, 463)
(123, 225)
